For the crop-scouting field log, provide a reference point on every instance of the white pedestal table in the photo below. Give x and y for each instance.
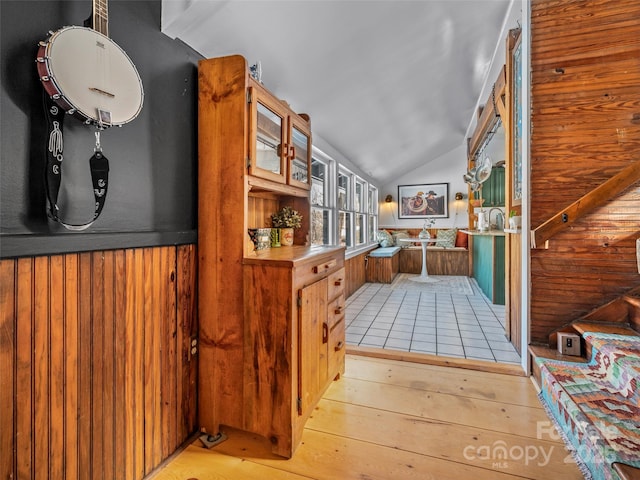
(424, 275)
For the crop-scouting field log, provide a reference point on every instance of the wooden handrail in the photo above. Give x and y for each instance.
(584, 205)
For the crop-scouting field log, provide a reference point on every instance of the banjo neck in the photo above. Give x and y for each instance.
(100, 17)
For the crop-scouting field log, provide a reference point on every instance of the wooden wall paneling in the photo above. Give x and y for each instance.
(168, 353)
(584, 131)
(355, 273)
(108, 361)
(138, 366)
(24, 375)
(91, 362)
(187, 329)
(261, 206)
(41, 367)
(130, 434)
(95, 348)
(84, 362)
(57, 365)
(72, 372)
(7, 366)
(151, 360)
(122, 343)
(439, 262)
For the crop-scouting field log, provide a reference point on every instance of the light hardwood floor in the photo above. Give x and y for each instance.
(388, 419)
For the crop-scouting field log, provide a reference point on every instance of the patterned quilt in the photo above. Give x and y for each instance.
(597, 404)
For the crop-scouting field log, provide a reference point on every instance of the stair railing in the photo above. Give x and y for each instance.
(584, 205)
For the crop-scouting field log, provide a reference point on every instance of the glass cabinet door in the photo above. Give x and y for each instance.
(267, 147)
(300, 157)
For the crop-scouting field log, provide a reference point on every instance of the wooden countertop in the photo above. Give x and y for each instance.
(291, 256)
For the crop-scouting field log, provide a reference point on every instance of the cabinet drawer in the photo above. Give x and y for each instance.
(335, 311)
(315, 270)
(336, 348)
(336, 284)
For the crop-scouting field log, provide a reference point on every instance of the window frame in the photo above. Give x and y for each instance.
(369, 208)
(328, 206)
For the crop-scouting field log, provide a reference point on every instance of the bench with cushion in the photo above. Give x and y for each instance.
(448, 256)
(382, 264)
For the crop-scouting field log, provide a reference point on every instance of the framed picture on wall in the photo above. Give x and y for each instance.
(425, 200)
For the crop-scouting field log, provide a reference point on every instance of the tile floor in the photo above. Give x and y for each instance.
(453, 325)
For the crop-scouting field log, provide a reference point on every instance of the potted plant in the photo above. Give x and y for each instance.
(514, 220)
(285, 220)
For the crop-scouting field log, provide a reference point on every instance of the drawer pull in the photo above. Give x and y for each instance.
(339, 346)
(338, 310)
(338, 282)
(324, 267)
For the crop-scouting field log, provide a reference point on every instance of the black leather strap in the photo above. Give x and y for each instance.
(98, 163)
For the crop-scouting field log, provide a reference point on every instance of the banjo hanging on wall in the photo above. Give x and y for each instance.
(87, 75)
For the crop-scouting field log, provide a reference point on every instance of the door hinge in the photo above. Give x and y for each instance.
(248, 96)
(299, 404)
(299, 301)
(248, 162)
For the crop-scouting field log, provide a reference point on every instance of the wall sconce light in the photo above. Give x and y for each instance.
(459, 196)
(388, 198)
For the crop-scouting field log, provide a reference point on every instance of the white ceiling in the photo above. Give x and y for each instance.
(390, 84)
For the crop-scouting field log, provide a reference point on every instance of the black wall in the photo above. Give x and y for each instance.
(152, 194)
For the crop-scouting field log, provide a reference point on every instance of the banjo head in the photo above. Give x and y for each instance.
(90, 76)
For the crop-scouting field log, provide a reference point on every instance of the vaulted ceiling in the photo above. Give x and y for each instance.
(390, 84)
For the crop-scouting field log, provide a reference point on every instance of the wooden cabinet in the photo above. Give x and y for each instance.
(322, 326)
(270, 338)
(280, 139)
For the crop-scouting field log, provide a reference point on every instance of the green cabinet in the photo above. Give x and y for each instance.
(493, 190)
(489, 266)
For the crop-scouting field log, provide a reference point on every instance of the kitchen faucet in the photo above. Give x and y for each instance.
(499, 218)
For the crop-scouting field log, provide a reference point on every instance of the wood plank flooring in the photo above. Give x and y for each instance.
(388, 419)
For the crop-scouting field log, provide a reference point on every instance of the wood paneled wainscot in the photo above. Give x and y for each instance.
(271, 340)
(98, 376)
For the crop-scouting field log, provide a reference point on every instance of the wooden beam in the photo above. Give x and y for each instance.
(489, 114)
(586, 204)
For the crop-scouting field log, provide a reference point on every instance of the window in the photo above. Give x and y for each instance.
(320, 204)
(372, 211)
(359, 206)
(345, 210)
(344, 207)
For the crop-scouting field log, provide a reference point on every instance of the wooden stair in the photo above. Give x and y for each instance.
(620, 316)
(580, 327)
(544, 351)
(625, 472)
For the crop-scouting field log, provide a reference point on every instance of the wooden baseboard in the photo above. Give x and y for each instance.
(425, 358)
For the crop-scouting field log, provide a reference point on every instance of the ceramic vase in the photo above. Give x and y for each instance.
(286, 237)
(261, 237)
(275, 237)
